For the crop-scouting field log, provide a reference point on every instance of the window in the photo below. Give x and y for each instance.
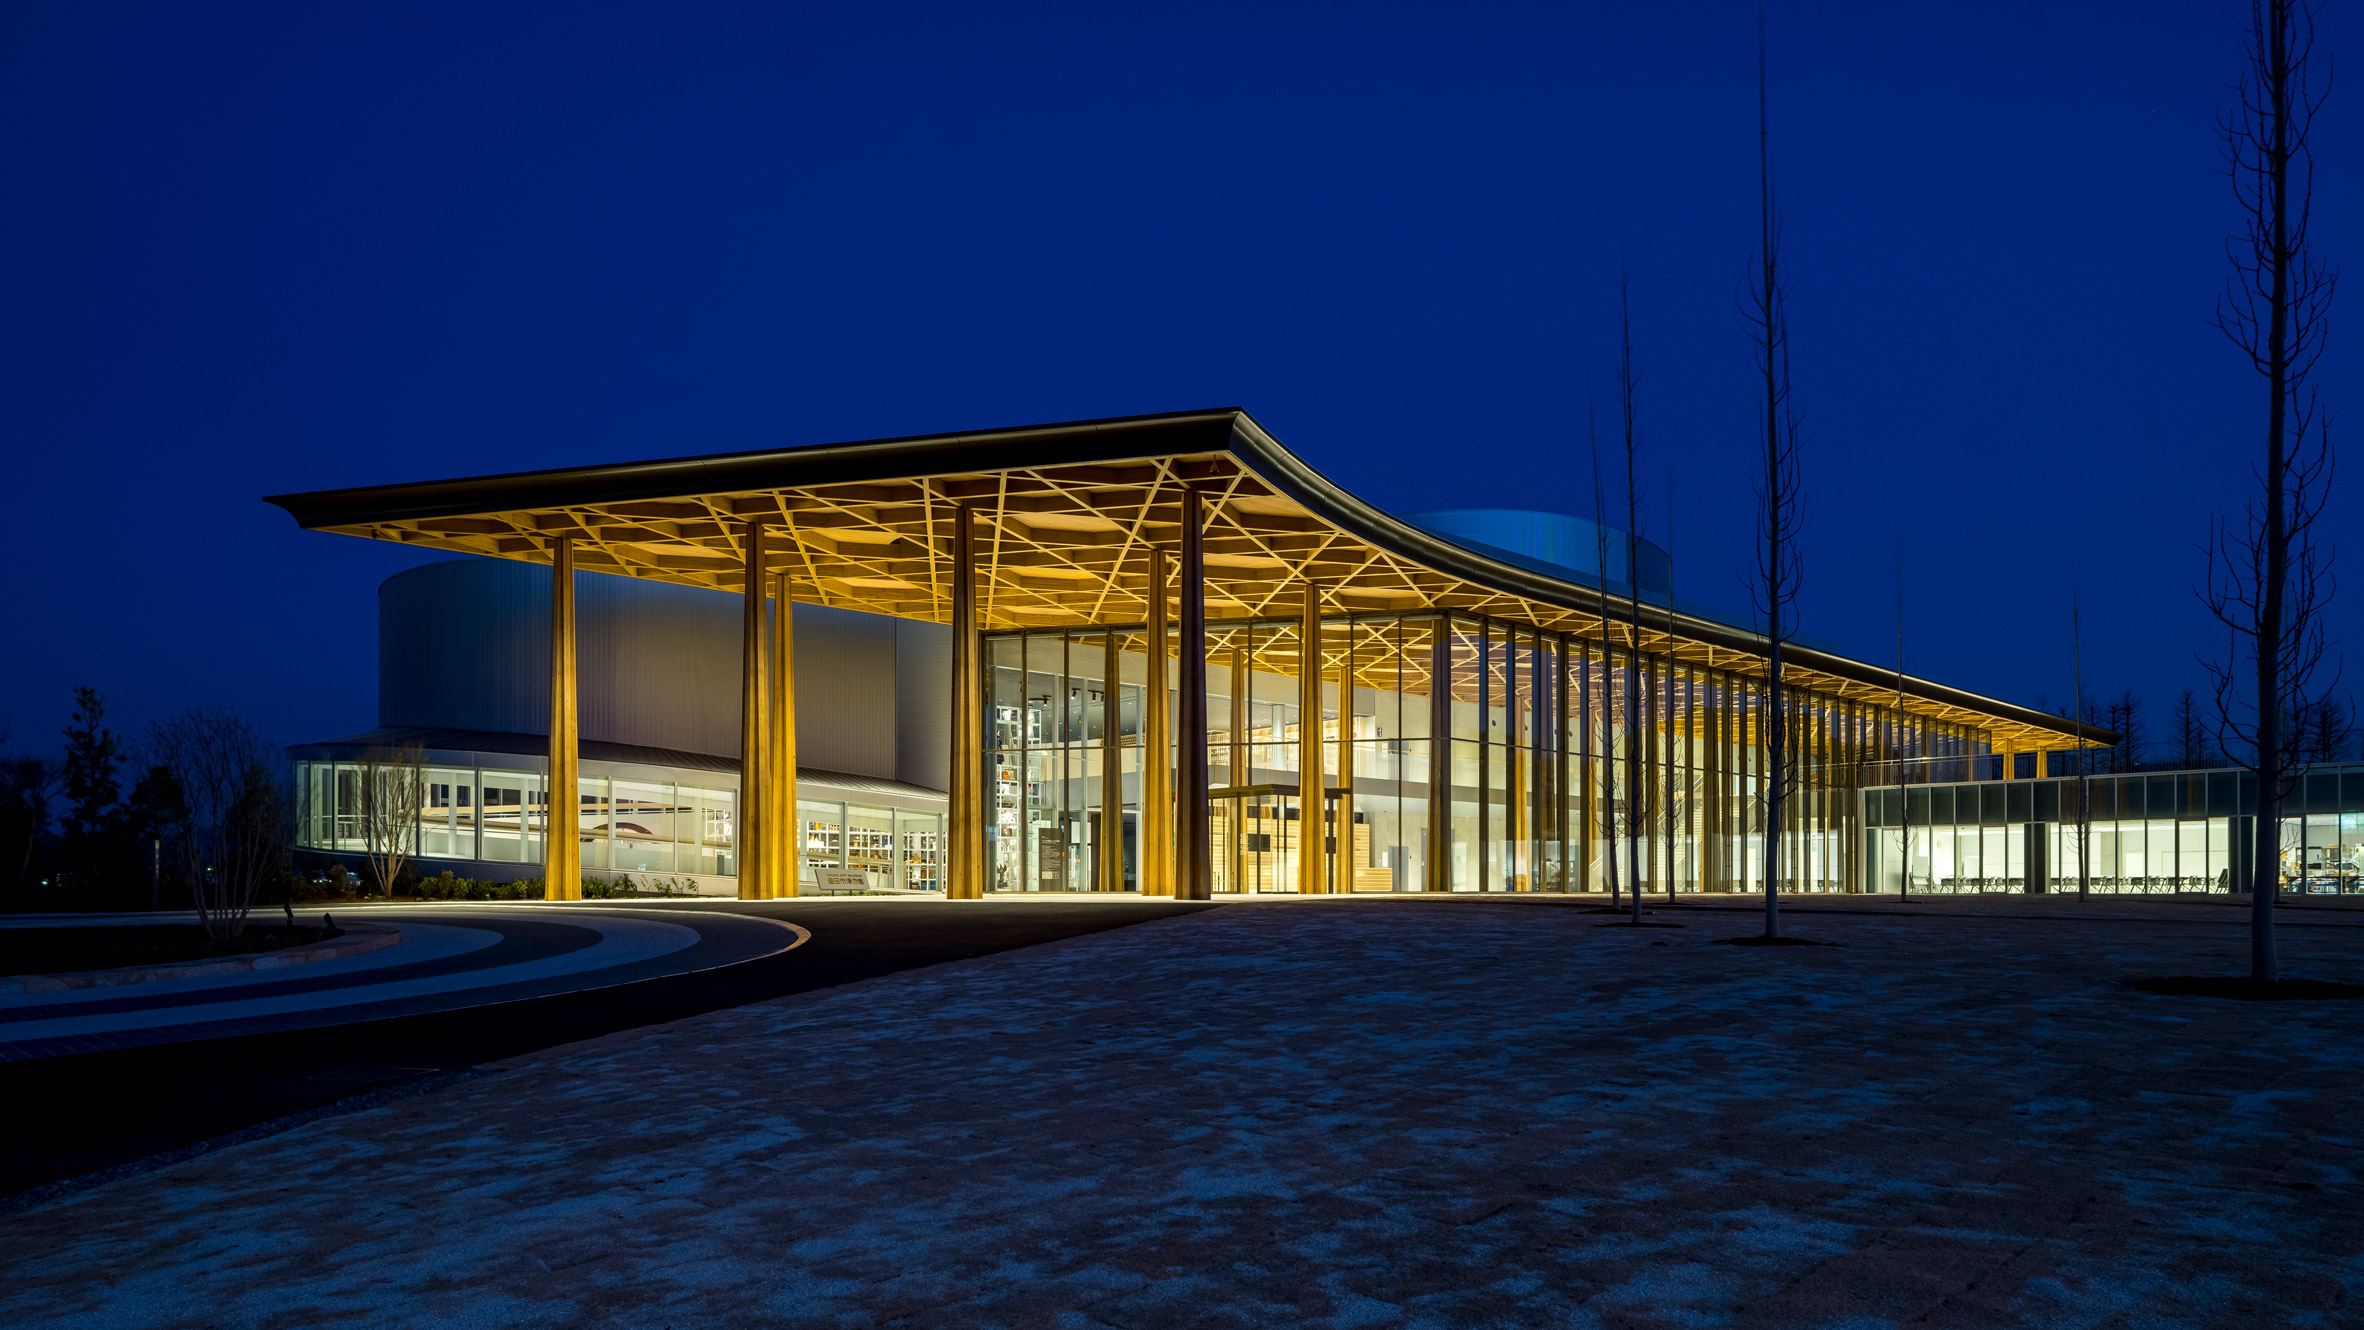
(642, 827)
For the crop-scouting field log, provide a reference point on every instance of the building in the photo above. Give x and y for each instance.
(463, 678)
(1179, 661)
(2147, 832)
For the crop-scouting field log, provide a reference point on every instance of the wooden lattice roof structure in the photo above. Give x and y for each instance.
(1067, 515)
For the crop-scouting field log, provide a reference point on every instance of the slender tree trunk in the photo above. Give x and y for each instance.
(1600, 533)
(1776, 766)
(2268, 585)
(2084, 754)
(1639, 715)
(2263, 964)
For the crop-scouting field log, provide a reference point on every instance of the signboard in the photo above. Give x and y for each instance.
(1050, 858)
(843, 879)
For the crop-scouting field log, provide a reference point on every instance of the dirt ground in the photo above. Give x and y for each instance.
(1387, 1113)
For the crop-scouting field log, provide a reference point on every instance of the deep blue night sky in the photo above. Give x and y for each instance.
(252, 249)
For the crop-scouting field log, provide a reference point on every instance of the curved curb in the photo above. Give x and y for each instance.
(354, 940)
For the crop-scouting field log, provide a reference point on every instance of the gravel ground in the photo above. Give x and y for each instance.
(1456, 1113)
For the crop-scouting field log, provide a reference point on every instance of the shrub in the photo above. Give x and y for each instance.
(445, 886)
(604, 888)
(335, 883)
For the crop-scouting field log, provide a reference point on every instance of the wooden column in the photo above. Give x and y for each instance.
(1194, 878)
(965, 808)
(1585, 698)
(562, 804)
(1347, 862)
(1514, 773)
(1311, 880)
(787, 825)
(1484, 850)
(1719, 782)
(1564, 877)
(1156, 851)
(755, 795)
(1242, 769)
(1547, 742)
(1440, 759)
(1112, 778)
(1670, 747)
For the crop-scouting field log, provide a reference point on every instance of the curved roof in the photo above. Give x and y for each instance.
(1068, 513)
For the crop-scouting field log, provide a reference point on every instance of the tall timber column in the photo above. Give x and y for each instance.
(1194, 878)
(787, 827)
(1515, 742)
(1348, 852)
(755, 798)
(1111, 847)
(1242, 770)
(965, 801)
(1563, 699)
(1157, 749)
(1311, 828)
(1440, 759)
(562, 805)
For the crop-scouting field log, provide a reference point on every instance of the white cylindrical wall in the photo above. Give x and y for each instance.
(465, 645)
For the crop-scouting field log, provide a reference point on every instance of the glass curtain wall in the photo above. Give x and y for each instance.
(638, 826)
(491, 815)
(2153, 833)
(1058, 722)
(1558, 763)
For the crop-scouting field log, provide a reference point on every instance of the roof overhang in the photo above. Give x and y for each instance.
(1068, 514)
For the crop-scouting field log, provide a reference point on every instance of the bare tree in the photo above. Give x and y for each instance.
(2298, 737)
(1904, 812)
(2320, 731)
(2082, 710)
(1600, 532)
(1638, 714)
(2125, 716)
(234, 809)
(2191, 731)
(2267, 582)
(1779, 571)
(1690, 792)
(392, 794)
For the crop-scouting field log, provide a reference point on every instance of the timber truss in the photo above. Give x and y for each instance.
(1064, 531)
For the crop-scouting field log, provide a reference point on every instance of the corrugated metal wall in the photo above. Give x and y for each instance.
(923, 691)
(466, 645)
(845, 691)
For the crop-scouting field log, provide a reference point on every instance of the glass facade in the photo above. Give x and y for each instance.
(2148, 833)
(637, 825)
(889, 846)
(1542, 753)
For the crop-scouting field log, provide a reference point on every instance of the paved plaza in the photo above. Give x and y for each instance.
(1363, 1113)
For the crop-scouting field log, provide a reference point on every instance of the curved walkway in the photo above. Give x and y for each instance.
(448, 958)
(270, 1072)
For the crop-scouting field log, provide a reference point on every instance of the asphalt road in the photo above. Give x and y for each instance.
(85, 1113)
